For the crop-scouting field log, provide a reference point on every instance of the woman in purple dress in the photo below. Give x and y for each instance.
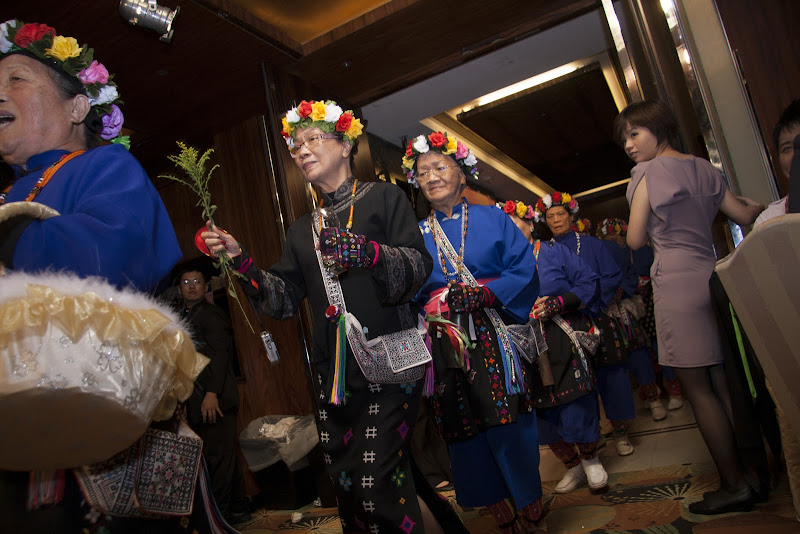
(674, 198)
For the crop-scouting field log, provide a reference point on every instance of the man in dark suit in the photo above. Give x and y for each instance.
(214, 403)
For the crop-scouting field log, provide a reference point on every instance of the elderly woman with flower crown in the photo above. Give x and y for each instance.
(485, 279)
(563, 384)
(57, 103)
(558, 211)
(76, 206)
(364, 427)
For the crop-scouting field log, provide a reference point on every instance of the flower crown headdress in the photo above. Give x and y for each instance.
(612, 226)
(443, 144)
(582, 225)
(555, 199)
(65, 56)
(515, 207)
(327, 116)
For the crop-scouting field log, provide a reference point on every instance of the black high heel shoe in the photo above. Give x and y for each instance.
(722, 502)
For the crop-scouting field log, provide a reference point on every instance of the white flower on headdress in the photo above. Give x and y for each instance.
(5, 44)
(332, 113)
(470, 160)
(107, 94)
(290, 142)
(547, 200)
(421, 144)
(292, 116)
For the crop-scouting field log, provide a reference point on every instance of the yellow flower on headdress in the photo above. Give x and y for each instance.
(566, 198)
(521, 210)
(451, 146)
(63, 48)
(355, 129)
(286, 126)
(579, 224)
(318, 111)
(408, 163)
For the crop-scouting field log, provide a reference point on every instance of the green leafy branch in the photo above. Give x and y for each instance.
(195, 168)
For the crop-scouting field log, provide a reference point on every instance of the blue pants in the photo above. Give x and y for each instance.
(614, 386)
(499, 463)
(577, 421)
(641, 364)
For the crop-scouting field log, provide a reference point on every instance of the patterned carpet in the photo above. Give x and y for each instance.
(652, 501)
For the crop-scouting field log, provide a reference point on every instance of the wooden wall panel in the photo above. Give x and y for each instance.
(763, 36)
(243, 194)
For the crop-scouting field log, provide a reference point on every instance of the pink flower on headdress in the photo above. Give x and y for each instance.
(572, 204)
(461, 150)
(112, 123)
(94, 73)
(530, 213)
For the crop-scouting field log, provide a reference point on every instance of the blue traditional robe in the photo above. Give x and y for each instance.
(642, 260)
(630, 280)
(597, 257)
(113, 224)
(475, 410)
(494, 247)
(561, 271)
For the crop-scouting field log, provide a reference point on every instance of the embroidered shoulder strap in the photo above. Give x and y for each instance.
(515, 383)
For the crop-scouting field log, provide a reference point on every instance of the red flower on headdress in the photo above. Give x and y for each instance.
(410, 149)
(285, 135)
(304, 109)
(556, 197)
(510, 207)
(437, 139)
(540, 206)
(345, 119)
(32, 32)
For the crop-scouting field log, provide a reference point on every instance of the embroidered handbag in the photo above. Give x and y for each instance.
(388, 359)
(156, 476)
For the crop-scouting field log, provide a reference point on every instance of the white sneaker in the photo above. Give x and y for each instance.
(595, 473)
(572, 479)
(657, 410)
(624, 447)
(675, 402)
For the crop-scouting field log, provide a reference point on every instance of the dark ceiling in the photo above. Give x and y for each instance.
(560, 132)
(209, 78)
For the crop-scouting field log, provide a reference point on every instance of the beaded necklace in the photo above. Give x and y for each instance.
(440, 254)
(578, 248)
(536, 248)
(352, 207)
(45, 178)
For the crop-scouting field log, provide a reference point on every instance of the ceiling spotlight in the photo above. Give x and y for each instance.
(149, 14)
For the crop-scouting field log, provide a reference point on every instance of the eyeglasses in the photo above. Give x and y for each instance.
(193, 282)
(311, 143)
(438, 171)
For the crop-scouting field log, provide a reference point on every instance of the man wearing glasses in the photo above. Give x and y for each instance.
(213, 405)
